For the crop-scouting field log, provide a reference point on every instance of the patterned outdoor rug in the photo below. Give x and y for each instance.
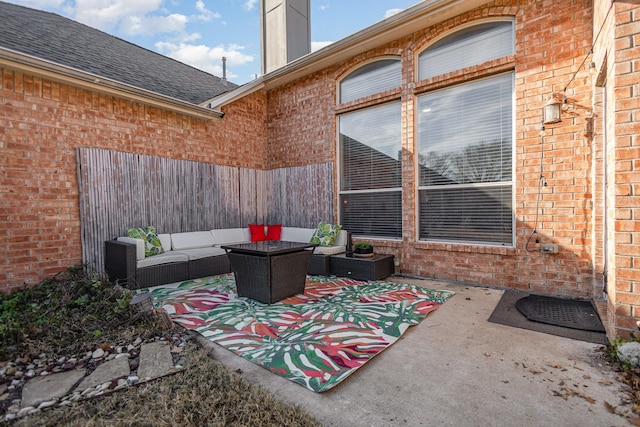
(316, 339)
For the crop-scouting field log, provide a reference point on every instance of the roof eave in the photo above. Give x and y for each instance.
(415, 18)
(60, 73)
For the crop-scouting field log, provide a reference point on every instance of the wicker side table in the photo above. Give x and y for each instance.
(375, 268)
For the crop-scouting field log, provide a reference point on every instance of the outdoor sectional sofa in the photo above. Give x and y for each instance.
(191, 255)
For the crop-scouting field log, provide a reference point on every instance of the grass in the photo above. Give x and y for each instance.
(206, 393)
(75, 312)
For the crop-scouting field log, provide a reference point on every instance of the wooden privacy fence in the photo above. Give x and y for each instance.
(122, 190)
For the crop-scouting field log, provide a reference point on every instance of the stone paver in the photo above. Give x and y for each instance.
(155, 361)
(43, 389)
(108, 371)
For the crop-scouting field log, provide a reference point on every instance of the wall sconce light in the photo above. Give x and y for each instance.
(551, 111)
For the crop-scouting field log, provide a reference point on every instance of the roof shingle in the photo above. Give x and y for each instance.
(57, 39)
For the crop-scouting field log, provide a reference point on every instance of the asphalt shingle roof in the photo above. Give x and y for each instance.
(60, 40)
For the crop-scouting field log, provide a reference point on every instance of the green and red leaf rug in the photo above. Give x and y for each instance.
(316, 339)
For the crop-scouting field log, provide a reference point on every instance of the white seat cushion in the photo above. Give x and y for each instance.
(164, 258)
(203, 252)
(230, 236)
(329, 250)
(191, 240)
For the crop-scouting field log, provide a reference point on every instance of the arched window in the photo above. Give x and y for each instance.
(370, 154)
(465, 142)
(471, 46)
(370, 79)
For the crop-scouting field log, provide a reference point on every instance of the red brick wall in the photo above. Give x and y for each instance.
(624, 115)
(552, 39)
(41, 124)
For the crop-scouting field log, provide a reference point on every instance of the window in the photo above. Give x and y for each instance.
(465, 151)
(371, 171)
(467, 47)
(370, 79)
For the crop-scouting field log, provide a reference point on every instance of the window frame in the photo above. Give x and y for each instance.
(370, 101)
(431, 88)
(461, 27)
(340, 156)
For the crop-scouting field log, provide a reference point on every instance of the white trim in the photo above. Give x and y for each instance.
(61, 73)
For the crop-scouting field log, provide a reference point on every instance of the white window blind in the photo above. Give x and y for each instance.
(468, 47)
(465, 162)
(370, 79)
(371, 171)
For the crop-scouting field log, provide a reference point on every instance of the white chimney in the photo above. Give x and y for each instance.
(285, 32)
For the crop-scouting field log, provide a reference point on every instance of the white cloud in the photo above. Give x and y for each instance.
(205, 14)
(206, 58)
(249, 4)
(149, 25)
(392, 12)
(107, 14)
(319, 45)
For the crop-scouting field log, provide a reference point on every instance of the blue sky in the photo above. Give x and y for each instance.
(201, 32)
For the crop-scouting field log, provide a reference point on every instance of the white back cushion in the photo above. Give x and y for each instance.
(191, 240)
(341, 238)
(296, 234)
(165, 241)
(227, 236)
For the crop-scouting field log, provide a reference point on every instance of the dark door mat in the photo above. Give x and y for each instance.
(506, 313)
(568, 313)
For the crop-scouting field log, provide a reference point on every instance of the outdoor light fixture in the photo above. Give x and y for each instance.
(551, 111)
(142, 303)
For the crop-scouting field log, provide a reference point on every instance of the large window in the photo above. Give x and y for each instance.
(465, 155)
(371, 171)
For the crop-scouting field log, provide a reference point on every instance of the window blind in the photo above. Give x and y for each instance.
(465, 158)
(371, 148)
(465, 48)
(372, 214)
(466, 133)
(470, 215)
(372, 78)
(371, 171)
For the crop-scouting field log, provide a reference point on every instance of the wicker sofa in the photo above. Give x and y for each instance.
(191, 255)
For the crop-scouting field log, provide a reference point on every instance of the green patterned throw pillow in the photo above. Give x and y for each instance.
(150, 236)
(325, 234)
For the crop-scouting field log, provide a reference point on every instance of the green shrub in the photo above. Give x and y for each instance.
(69, 311)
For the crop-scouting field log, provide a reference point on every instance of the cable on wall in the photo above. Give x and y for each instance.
(542, 182)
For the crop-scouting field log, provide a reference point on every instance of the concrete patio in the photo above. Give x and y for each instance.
(457, 369)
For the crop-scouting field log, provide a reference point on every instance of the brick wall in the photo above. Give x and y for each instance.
(42, 122)
(624, 116)
(552, 40)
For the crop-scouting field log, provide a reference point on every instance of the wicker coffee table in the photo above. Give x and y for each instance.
(270, 271)
(377, 267)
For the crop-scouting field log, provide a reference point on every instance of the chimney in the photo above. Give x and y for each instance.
(224, 68)
(285, 32)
